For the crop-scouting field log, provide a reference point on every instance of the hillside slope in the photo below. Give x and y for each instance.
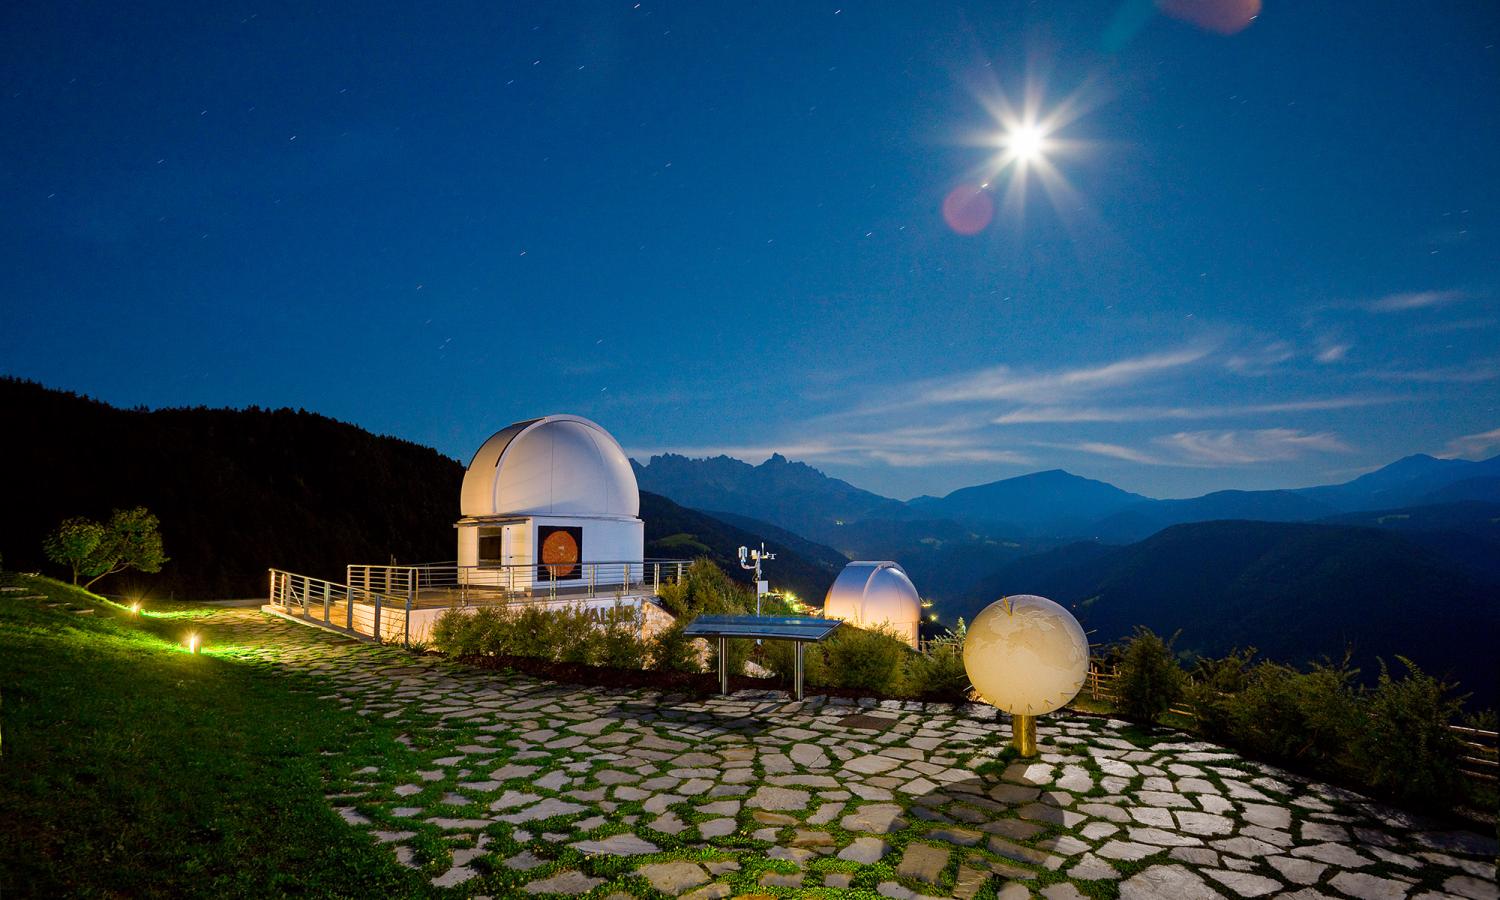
(1297, 591)
(238, 491)
(676, 532)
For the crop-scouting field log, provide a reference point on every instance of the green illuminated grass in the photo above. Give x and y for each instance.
(132, 768)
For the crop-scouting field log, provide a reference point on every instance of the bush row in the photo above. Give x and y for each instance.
(853, 659)
(877, 662)
(1392, 738)
(567, 634)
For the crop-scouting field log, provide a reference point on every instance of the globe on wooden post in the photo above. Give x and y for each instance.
(1028, 656)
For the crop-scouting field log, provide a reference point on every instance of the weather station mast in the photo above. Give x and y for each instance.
(750, 561)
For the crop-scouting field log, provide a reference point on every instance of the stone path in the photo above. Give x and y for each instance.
(509, 786)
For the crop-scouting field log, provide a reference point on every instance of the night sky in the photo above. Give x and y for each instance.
(1258, 256)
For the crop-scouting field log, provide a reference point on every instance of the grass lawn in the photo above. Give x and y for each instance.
(132, 768)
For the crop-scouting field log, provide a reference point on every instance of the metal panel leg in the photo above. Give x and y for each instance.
(797, 669)
(723, 667)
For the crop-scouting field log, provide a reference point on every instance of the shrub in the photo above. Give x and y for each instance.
(462, 633)
(1212, 688)
(1301, 717)
(620, 644)
(672, 651)
(704, 589)
(736, 651)
(1404, 748)
(1150, 680)
(939, 673)
(860, 659)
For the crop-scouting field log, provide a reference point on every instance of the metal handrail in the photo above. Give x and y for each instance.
(588, 579)
(290, 590)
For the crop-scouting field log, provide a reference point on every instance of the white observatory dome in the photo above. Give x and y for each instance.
(552, 466)
(874, 595)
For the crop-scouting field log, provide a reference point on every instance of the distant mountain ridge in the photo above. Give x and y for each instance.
(792, 495)
(1053, 503)
(1053, 500)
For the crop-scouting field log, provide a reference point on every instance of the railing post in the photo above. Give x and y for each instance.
(593, 578)
(376, 629)
(411, 597)
(326, 612)
(348, 606)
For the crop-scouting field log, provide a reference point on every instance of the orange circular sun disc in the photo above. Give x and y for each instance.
(560, 553)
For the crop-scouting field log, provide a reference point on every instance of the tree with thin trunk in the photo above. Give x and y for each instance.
(130, 540)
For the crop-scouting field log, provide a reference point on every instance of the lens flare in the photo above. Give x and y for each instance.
(968, 208)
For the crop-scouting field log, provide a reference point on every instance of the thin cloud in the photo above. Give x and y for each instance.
(1333, 353)
(1113, 451)
(1260, 360)
(1063, 414)
(1005, 383)
(1230, 448)
(1475, 445)
(1394, 303)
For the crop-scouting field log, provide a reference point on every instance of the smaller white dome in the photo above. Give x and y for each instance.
(875, 595)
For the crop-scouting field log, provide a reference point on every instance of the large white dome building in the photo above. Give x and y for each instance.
(876, 595)
(550, 495)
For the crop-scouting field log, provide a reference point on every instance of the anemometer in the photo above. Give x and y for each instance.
(750, 560)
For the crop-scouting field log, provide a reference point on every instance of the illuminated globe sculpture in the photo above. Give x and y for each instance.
(1027, 656)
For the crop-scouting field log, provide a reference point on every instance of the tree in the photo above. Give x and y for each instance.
(131, 540)
(1150, 680)
(75, 544)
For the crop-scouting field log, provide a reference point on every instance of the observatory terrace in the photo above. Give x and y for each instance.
(509, 786)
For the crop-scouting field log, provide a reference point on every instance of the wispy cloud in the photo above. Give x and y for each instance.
(1005, 383)
(1250, 446)
(1476, 445)
(1333, 353)
(1113, 451)
(1393, 303)
(1064, 414)
(1260, 360)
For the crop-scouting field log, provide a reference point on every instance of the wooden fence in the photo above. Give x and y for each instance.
(1480, 762)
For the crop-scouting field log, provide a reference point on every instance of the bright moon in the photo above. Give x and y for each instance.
(1026, 143)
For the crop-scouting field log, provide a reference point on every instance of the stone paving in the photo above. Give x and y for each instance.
(509, 786)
